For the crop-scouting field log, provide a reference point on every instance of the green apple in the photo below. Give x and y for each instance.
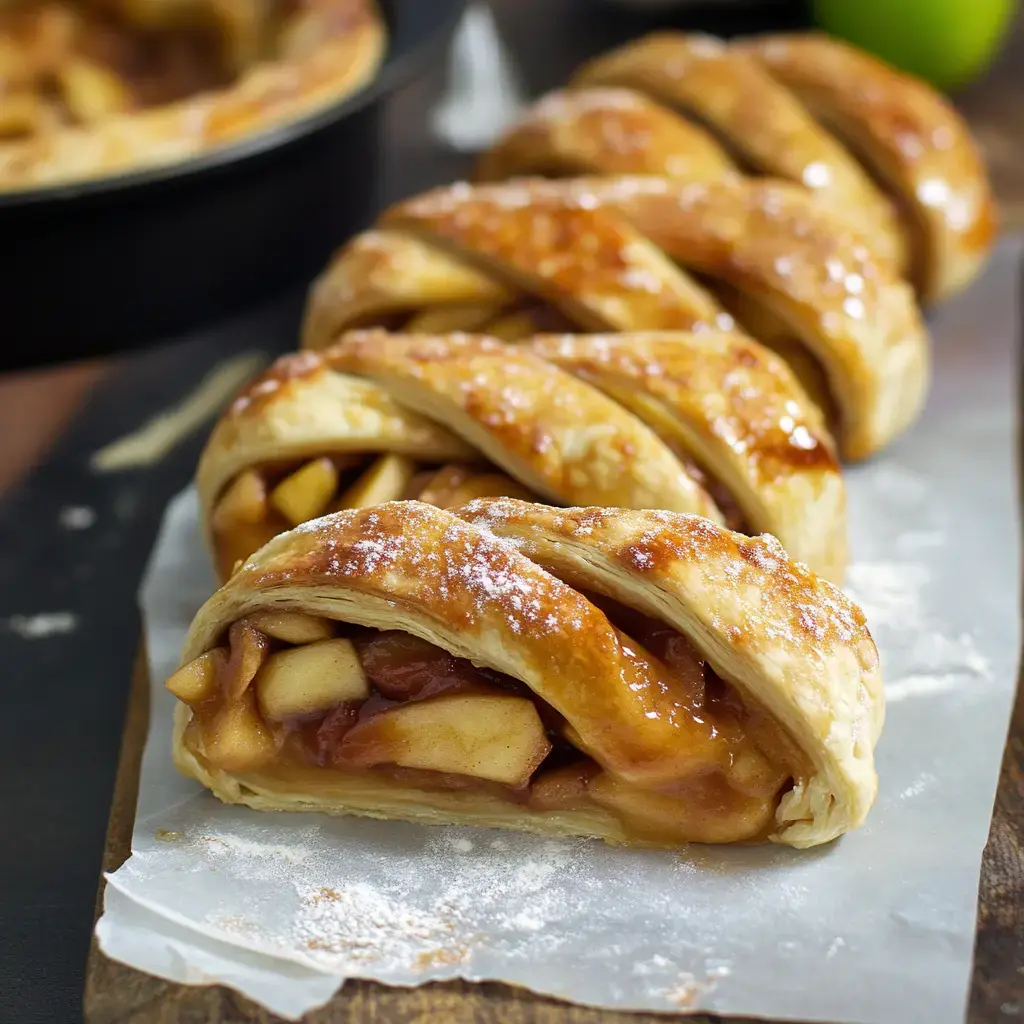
(947, 42)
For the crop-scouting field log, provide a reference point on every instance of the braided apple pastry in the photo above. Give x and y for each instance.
(601, 254)
(639, 677)
(803, 108)
(711, 424)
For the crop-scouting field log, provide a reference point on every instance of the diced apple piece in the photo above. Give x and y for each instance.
(248, 649)
(303, 680)
(92, 92)
(234, 548)
(513, 326)
(443, 483)
(197, 681)
(446, 319)
(236, 739)
(293, 627)
(385, 480)
(307, 492)
(489, 485)
(563, 789)
(244, 503)
(488, 736)
(456, 485)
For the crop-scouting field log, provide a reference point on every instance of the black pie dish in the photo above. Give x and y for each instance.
(118, 262)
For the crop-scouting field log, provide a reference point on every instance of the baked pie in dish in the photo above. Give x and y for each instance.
(711, 423)
(90, 88)
(643, 253)
(636, 676)
(878, 146)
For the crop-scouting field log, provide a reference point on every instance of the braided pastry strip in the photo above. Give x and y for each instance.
(719, 692)
(597, 250)
(711, 424)
(787, 106)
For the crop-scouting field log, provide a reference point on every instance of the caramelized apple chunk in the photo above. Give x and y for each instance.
(307, 492)
(293, 627)
(197, 681)
(385, 480)
(443, 484)
(236, 738)
(488, 736)
(315, 677)
(457, 485)
(248, 649)
(244, 503)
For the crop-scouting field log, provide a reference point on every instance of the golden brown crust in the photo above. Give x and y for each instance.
(792, 643)
(757, 116)
(604, 131)
(911, 138)
(380, 273)
(738, 410)
(784, 251)
(327, 50)
(557, 435)
(301, 407)
(622, 424)
(590, 248)
(591, 264)
(784, 639)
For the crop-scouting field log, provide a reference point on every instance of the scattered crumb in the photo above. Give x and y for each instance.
(167, 836)
(685, 992)
(442, 958)
(43, 625)
(76, 517)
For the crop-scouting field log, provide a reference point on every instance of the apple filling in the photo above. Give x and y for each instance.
(290, 695)
(262, 502)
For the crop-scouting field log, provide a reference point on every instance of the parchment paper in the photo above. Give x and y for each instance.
(878, 928)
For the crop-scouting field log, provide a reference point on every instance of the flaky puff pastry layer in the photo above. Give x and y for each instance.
(597, 249)
(910, 137)
(871, 141)
(784, 639)
(325, 50)
(787, 640)
(595, 419)
(758, 117)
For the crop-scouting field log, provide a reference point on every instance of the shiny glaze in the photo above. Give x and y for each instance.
(403, 668)
(733, 389)
(910, 135)
(633, 716)
(604, 131)
(555, 433)
(758, 117)
(587, 261)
